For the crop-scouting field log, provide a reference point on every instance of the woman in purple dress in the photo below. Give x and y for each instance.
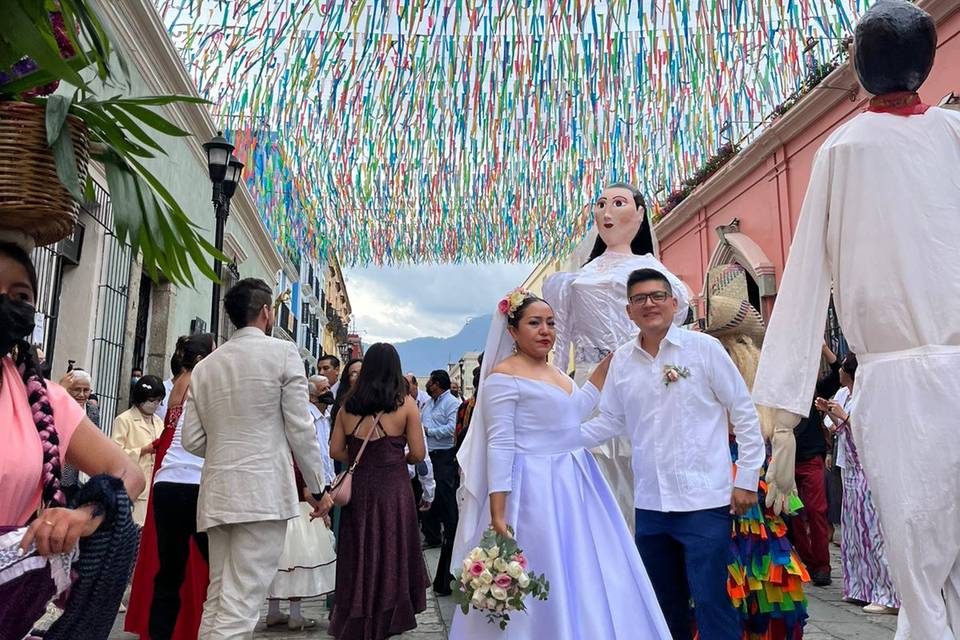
(381, 577)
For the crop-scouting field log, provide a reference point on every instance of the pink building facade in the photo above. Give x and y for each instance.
(747, 212)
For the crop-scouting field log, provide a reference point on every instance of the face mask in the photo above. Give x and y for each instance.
(150, 407)
(133, 380)
(326, 398)
(16, 322)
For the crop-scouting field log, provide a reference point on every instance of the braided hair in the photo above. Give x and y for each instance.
(39, 401)
(37, 396)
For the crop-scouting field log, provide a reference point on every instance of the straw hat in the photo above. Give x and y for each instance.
(728, 306)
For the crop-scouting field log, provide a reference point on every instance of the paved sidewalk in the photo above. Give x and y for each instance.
(830, 617)
(432, 624)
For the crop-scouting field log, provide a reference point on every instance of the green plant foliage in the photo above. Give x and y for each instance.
(34, 56)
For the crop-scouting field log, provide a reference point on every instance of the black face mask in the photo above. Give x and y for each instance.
(326, 398)
(16, 322)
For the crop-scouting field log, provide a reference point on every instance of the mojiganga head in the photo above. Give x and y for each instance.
(895, 43)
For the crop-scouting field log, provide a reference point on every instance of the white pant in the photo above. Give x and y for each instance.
(243, 561)
(906, 424)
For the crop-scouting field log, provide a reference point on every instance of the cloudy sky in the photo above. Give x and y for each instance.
(399, 303)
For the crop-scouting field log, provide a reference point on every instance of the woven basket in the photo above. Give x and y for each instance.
(32, 198)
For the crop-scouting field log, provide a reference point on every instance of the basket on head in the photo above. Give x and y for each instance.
(728, 305)
(32, 198)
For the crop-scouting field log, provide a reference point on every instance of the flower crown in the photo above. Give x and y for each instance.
(509, 305)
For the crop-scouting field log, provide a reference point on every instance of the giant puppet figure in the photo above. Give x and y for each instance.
(881, 224)
(589, 306)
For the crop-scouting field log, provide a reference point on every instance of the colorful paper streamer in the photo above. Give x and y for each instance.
(398, 131)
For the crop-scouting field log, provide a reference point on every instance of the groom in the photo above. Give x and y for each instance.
(674, 393)
(245, 414)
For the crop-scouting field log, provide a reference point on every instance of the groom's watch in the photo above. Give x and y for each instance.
(319, 496)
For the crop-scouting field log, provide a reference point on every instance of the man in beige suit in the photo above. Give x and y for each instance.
(246, 412)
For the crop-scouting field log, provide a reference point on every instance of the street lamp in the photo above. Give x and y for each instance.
(225, 170)
(218, 156)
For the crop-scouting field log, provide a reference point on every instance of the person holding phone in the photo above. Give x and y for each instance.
(866, 577)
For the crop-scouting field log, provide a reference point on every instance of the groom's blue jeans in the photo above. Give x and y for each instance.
(686, 554)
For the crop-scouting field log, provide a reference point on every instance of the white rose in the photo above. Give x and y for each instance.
(478, 598)
(499, 593)
(486, 577)
(490, 604)
(500, 565)
(477, 554)
(475, 583)
(523, 580)
(514, 570)
(493, 552)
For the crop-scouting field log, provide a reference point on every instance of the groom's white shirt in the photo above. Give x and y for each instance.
(679, 432)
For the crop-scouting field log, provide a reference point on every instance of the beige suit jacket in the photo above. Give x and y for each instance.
(245, 414)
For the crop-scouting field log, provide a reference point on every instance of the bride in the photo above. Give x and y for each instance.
(523, 467)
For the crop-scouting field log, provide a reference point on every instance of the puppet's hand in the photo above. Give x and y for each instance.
(781, 481)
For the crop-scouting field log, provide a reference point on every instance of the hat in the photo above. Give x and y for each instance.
(729, 310)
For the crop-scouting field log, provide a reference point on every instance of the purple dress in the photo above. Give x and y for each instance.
(381, 575)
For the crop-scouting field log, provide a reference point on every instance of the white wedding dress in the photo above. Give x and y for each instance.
(564, 516)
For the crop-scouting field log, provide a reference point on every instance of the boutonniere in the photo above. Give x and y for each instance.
(672, 373)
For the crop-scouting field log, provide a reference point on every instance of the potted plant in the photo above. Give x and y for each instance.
(52, 124)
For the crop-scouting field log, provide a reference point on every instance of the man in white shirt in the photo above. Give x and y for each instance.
(418, 394)
(674, 393)
(321, 399)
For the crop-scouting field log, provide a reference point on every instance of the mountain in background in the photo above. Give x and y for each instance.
(423, 355)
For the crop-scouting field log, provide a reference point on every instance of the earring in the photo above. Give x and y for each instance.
(515, 348)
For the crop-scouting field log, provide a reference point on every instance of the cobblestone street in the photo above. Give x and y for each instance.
(830, 617)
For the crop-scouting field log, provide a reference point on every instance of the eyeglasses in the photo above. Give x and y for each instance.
(656, 296)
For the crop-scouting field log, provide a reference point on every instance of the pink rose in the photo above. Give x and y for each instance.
(477, 568)
(672, 375)
(504, 306)
(503, 581)
(521, 560)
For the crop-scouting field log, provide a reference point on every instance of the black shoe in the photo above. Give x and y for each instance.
(821, 578)
(432, 545)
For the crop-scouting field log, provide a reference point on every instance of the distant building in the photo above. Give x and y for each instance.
(461, 371)
(354, 346)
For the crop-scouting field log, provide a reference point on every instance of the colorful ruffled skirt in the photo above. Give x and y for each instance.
(766, 575)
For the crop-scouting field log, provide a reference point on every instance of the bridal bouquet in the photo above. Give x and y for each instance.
(494, 579)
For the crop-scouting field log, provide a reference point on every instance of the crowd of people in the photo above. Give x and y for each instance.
(244, 415)
(653, 492)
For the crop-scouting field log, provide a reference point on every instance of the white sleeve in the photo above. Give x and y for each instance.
(790, 359)
(585, 398)
(428, 482)
(499, 399)
(323, 439)
(611, 421)
(556, 291)
(728, 385)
